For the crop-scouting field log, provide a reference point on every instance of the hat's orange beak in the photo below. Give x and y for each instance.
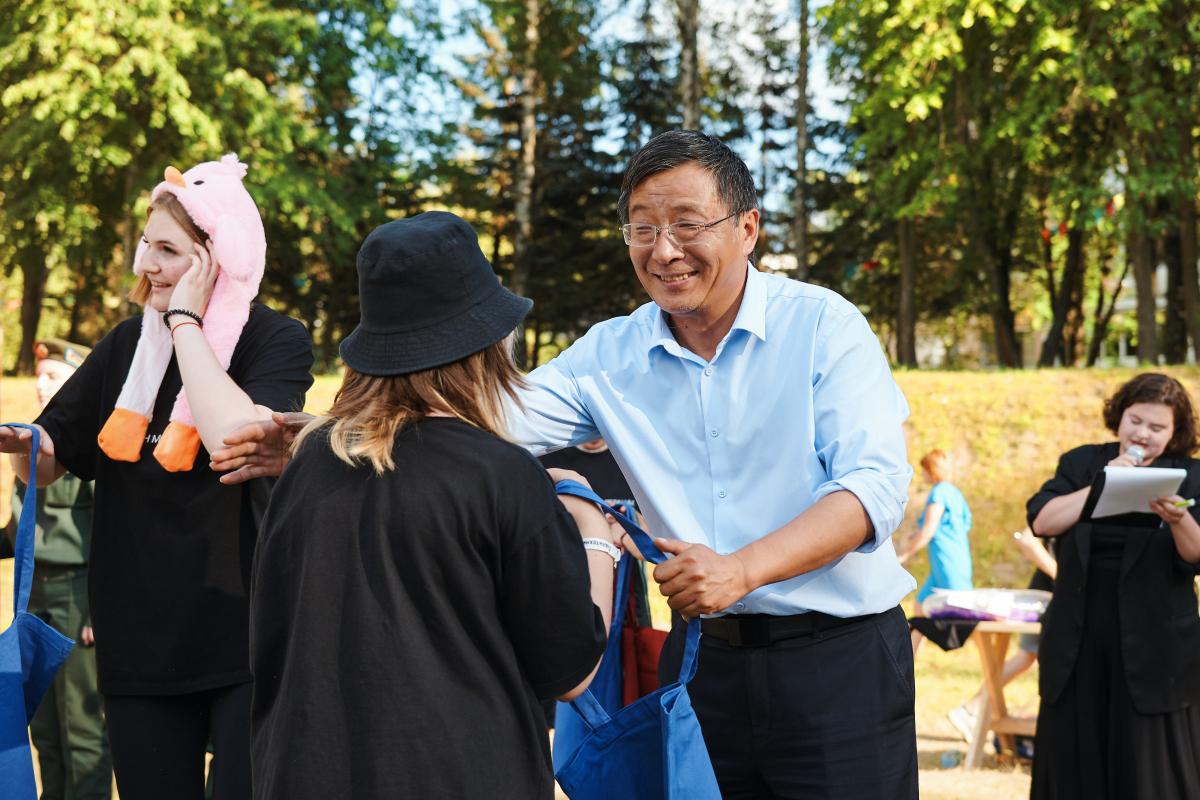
(172, 175)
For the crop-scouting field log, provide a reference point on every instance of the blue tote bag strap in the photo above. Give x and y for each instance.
(643, 541)
(585, 704)
(26, 529)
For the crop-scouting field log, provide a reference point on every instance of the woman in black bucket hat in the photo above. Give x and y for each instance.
(418, 587)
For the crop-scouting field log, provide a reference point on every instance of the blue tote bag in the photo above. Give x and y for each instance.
(651, 749)
(570, 729)
(30, 654)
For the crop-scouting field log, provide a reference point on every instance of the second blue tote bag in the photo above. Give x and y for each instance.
(30, 654)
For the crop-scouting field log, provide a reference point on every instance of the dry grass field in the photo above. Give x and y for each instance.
(1005, 431)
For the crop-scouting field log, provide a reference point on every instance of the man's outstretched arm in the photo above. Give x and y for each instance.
(259, 449)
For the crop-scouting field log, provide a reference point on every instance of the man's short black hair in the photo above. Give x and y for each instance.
(735, 185)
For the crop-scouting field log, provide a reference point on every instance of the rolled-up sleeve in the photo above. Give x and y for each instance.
(859, 412)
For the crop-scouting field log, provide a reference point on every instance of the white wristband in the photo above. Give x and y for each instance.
(602, 546)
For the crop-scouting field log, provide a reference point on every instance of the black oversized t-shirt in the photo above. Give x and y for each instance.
(404, 626)
(171, 552)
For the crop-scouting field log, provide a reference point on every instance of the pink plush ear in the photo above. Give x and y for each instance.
(241, 248)
(230, 163)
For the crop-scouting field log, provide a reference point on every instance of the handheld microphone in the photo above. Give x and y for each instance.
(1136, 453)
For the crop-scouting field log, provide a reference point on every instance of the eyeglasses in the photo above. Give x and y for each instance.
(643, 234)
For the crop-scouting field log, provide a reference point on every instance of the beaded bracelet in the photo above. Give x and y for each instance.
(172, 311)
(181, 325)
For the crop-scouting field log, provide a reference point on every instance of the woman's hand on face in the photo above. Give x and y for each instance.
(1166, 509)
(195, 288)
(1123, 460)
(19, 440)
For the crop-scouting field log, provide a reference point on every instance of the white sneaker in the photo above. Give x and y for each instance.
(963, 721)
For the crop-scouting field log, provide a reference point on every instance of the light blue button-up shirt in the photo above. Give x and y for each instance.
(796, 403)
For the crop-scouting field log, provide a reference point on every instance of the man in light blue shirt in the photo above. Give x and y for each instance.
(759, 427)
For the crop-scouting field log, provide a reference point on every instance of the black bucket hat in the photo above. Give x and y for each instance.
(428, 297)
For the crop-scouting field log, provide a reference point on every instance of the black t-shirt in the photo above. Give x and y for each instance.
(171, 552)
(404, 626)
(600, 469)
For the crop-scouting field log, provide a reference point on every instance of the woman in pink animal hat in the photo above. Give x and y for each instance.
(171, 546)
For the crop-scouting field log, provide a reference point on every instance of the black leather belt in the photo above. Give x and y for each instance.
(762, 630)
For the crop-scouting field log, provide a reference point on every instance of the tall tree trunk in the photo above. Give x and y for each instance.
(33, 287)
(992, 184)
(1104, 315)
(526, 165)
(800, 201)
(1073, 328)
(1048, 254)
(1175, 322)
(1188, 273)
(1141, 252)
(1062, 340)
(687, 17)
(1186, 212)
(906, 305)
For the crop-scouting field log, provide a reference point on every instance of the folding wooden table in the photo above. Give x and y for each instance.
(991, 638)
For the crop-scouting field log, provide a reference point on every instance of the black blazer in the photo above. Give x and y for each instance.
(1159, 622)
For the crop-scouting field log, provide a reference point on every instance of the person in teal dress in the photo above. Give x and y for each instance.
(944, 526)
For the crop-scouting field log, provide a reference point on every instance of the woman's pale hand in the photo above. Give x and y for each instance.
(195, 288)
(1123, 460)
(1166, 509)
(19, 440)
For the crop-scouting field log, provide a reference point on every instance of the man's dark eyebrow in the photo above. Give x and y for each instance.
(685, 207)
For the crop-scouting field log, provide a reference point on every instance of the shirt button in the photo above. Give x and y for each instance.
(714, 433)
(721, 493)
(708, 370)
(740, 606)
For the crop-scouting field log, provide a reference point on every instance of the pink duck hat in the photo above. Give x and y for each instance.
(215, 198)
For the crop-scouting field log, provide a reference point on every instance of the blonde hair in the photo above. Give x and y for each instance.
(937, 464)
(140, 293)
(369, 410)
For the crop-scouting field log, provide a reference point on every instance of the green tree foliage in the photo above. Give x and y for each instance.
(1002, 160)
(997, 117)
(99, 96)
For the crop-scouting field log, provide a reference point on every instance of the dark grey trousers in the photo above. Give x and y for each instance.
(829, 715)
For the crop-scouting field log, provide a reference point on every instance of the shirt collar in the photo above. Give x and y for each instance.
(751, 316)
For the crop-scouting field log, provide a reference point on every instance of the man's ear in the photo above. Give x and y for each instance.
(749, 226)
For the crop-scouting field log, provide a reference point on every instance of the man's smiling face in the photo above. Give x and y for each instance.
(701, 278)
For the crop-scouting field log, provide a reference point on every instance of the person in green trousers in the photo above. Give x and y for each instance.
(68, 728)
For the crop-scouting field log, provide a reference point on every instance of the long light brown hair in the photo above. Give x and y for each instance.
(369, 410)
(168, 202)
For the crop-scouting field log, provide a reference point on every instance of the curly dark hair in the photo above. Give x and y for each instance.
(1153, 387)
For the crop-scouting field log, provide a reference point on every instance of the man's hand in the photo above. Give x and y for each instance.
(86, 637)
(258, 449)
(698, 580)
